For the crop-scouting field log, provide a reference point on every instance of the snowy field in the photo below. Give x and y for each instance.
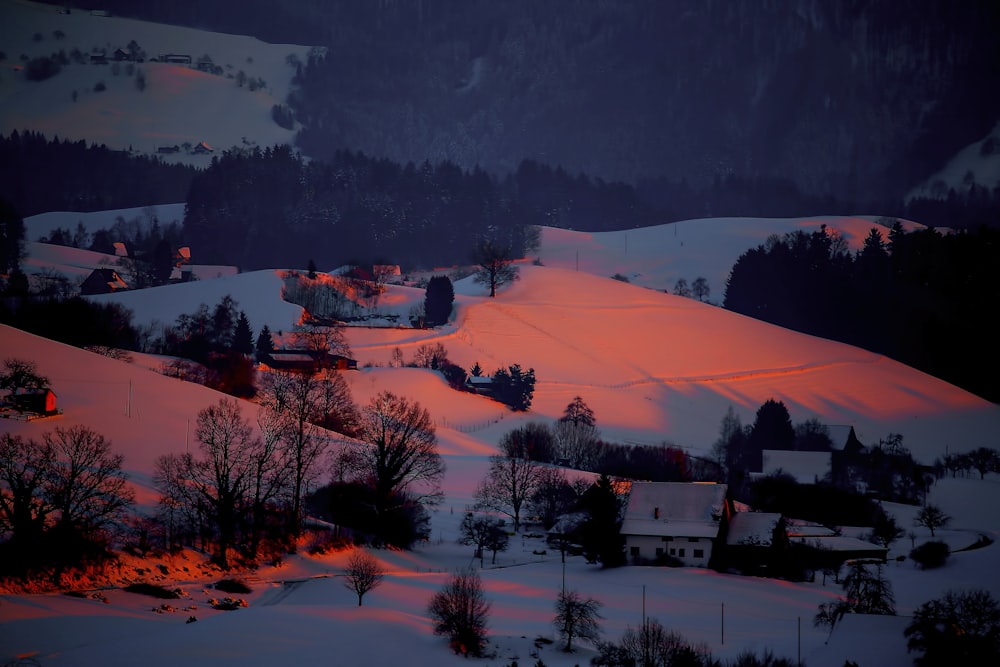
(653, 366)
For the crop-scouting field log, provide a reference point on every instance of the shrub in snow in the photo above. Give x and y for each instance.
(930, 554)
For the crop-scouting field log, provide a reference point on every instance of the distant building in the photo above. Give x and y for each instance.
(41, 401)
(202, 149)
(307, 361)
(674, 521)
(103, 281)
(176, 58)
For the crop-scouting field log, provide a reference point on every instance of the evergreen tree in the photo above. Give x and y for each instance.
(772, 429)
(601, 537)
(11, 237)
(438, 300)
(243, 337)
(265, 343)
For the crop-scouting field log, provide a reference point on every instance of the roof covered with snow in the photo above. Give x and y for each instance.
(752, 528)
(674, 509)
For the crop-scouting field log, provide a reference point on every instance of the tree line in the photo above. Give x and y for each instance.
(923, 298)
(39, 174)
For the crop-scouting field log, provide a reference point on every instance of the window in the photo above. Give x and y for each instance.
(634, 551)
(681, 554)
(659, 552)
(673, 552)
(699, 553)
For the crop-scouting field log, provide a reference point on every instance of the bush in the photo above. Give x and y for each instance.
(930, 555)
(459, 611)
(40, 69)
(233, 586)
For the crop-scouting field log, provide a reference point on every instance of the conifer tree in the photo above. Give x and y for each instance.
(243, 337)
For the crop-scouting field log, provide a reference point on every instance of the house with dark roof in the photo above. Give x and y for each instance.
(674, 521)
(103, 281)
(307, 361)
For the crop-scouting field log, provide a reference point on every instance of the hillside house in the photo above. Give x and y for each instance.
(674, 520)
(202, 149)
(176, 58)
(307, 361)
(41, 401)
(480, 384)
(103, 281)
(825, 547)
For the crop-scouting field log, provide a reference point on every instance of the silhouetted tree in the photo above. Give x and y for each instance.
(865, 591)
(265, 343)
(958, 628)
(11, 237)
(495, 264)
(511, 480)
(438, 300)
(931, 517)
(577, 617)
(364, 573)
(401, 455)
(460, 611)
(243, 336)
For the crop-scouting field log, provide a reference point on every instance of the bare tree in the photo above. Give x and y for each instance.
(305, 402)
(483, 532)
(25, 465)
(866, 592)
(511, 481)
(322, 339)
(401, 452)
(700, 288)
(215, 487)
(931, 517)
(364, 573)
(495, 264)
(576, 434)
(21, 374)
(86, 487)
(460, 611)
(577, 617)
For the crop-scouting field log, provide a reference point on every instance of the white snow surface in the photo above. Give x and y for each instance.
(654, 368)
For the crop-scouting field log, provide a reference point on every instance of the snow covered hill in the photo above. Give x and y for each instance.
(98, 99)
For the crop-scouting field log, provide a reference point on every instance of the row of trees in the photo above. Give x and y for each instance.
(62, 501)
(960, 625)
(267, 208)
(924, 297)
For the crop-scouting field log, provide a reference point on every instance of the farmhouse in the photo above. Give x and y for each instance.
(103, 281)
(666, 521)
(480, 384)
(307, 361)
(41, 401)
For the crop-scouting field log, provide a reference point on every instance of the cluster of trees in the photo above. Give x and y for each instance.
(39, 174)
(265, 208)
(62, 499)
(574, 441)
(886, 470)
(922, 296)
(982, 459)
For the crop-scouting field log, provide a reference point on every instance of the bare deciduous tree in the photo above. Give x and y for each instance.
(460, 611)
(401, 453)
(577, 617)
(510, 482)
(495, 264)
(25, 465)
(931, 517)
(86, 487)
(364, 573)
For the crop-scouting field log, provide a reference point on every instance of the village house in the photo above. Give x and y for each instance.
(41, 401)
(103, 281)
(307, 361)
(674, 522)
